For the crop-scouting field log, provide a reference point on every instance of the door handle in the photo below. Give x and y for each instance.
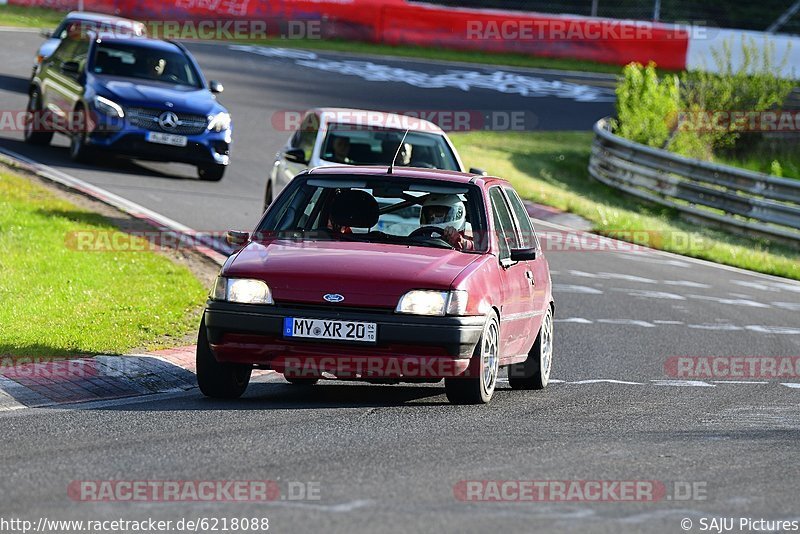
(531, 279)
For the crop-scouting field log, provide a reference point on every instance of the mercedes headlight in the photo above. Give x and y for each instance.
(219, 122)
(241, 290)
(108, 107)
(424, 302)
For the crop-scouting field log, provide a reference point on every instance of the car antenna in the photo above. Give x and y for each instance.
(397, 153)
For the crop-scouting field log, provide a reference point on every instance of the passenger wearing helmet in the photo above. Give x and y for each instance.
(448, 213)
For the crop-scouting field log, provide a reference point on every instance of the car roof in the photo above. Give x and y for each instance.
(405, 172)
(100, 17)
(145, 42)
(379, 119)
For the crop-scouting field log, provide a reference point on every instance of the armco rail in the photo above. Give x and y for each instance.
(738, 200)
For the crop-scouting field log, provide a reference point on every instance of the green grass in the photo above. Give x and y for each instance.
(30, 17)
(551, 168)
(48, 18)
(58, 301)
(784, 162)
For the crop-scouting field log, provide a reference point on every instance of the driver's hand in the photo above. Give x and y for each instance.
(452, 236)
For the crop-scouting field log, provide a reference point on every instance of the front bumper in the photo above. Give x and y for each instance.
(424, 347)
(119, 137)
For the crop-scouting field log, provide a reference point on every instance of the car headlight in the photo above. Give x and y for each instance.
(108, 107)
(424, 302)
(241, 290)
(219, 122)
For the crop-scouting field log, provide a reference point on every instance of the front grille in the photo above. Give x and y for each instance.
(329, 309)
(148, 119)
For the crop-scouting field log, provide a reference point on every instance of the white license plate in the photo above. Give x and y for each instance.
(166, 139)
(327, 329)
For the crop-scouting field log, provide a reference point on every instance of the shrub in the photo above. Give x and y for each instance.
(646, 105)
(751, 87)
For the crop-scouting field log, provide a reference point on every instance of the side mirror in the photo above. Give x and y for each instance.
(47, 34)
(524, 254)
(236, 238)
(479, 172)
(295, 155)
(215, 87)
(70, 67)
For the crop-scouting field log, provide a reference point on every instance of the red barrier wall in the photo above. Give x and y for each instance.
(601, 40)
(398, 22)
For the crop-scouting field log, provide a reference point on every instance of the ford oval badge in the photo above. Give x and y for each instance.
(334, 297)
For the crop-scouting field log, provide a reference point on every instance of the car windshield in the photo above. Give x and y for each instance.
(389, 210)
(144, 62)
(359, 145)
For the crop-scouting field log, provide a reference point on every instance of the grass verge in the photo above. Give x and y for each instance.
(30, 17)
(551, 168)
(49, 18)
(59, 301)
(783, 161)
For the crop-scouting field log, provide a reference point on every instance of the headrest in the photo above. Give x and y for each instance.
(355, 208)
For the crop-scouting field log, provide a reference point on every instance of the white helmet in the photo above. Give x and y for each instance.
(443, 211)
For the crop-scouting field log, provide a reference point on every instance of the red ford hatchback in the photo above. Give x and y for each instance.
(366, 273)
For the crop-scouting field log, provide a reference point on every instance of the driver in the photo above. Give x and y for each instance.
(447, 212)
(341, 150)
(389, 148)
(155, 67)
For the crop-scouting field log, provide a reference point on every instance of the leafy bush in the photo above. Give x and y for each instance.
(646, 105)
(673, 112)
(776, 169)
(751, 87)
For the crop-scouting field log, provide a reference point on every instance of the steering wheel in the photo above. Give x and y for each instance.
(427, 231)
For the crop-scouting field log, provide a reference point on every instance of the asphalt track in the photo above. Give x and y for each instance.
(387, 458)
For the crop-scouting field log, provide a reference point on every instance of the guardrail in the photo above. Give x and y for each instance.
(735, 199)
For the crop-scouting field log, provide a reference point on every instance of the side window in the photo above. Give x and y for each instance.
(294, 142)
(308, 134)
(504, 223)
(80, 53)
(64, 50)
(529, 239)
(61, 31)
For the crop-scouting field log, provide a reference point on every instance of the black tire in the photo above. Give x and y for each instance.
(211, 173)
(30, 132)
(478, 387)
(268, 195)
(534, 373)
(297, 381)
(219, 380)
(78, 149)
